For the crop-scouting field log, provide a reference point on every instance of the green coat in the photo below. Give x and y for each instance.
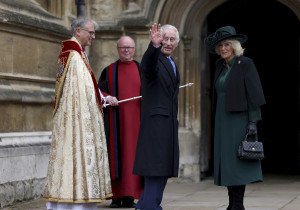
(230, 129)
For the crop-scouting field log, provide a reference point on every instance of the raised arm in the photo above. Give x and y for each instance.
(150, 57)
(156, 36)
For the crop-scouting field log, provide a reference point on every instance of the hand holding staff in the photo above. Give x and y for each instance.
(137, 97)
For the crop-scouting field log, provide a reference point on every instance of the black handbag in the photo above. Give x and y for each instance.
(251, 149)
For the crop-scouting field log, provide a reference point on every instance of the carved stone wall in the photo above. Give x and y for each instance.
(102, 10)
(24, 160)
(30, 42)
(30, 36)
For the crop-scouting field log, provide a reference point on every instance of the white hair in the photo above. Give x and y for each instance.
(236, 46)
(171, 27)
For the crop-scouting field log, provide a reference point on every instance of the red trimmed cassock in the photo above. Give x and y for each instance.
(122, 122)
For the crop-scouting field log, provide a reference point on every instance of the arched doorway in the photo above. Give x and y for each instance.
(273, 31)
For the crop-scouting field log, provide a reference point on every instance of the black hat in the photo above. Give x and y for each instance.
(226, 32)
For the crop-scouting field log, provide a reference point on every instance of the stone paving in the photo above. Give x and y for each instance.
(274, 193)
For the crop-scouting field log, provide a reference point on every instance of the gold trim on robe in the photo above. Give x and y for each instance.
(78, 170)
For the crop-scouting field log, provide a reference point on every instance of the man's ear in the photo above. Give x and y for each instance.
(77, 31)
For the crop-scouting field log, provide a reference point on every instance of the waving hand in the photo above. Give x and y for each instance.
(156, 35)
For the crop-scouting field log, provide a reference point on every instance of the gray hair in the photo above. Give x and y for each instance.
(168, 26)
(80, 23)
(236, 46)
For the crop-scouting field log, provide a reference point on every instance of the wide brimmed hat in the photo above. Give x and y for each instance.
(226, 32)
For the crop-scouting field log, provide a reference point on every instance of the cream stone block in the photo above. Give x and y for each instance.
(29, 117)
(6, 53)
(189, 147)
(41, 163)
(17, 168)
(189, 155)
(47, 59)
(11, 117)
(103, 10)
(141, 46)
(102, 53)
(38, 117)
(25, 55)
(190, 172)
(24, 156)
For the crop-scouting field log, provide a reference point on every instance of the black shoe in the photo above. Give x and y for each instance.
(115, 203)
(128, 202)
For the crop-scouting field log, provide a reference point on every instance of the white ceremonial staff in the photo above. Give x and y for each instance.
(137, 97)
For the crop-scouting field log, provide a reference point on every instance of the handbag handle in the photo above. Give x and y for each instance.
(254, 137)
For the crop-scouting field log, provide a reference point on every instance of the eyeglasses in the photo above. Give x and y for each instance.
(92, 33)
(126, 48)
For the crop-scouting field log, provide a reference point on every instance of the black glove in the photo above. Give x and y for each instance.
(252, 129)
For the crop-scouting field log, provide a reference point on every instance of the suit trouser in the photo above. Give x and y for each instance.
(153, 193)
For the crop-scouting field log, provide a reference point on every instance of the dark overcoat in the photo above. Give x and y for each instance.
(240, 90)
(243, 85)
(157, 151)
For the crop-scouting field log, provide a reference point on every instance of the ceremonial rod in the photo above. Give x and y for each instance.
(137, 97)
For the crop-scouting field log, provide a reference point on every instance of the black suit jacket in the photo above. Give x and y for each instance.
(157, 151)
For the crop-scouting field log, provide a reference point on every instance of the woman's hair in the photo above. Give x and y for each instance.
(236, 46)
(80, 23)
(168, 26)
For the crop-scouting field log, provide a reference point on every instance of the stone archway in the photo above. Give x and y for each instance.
(191, 18)
(274, 45)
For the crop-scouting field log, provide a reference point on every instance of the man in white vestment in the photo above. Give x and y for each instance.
(78, 171)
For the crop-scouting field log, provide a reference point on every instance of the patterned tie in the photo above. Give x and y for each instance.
(173, 65)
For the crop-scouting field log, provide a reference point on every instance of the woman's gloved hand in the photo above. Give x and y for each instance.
(252, 128)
